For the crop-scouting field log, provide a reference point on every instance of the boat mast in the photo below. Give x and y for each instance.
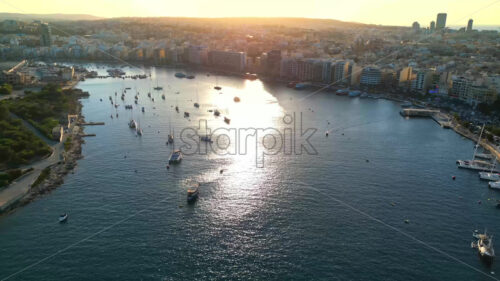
(477, 145)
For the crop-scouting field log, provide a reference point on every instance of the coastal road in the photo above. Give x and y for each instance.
(21, 186)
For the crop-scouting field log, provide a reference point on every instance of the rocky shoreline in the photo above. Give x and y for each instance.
(59, 170)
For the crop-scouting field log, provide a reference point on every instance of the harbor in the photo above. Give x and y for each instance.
(397, 170)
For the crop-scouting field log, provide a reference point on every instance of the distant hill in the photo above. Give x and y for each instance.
(311, 23)
(46, 17)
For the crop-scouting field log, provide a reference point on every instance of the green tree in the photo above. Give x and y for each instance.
(6, 89)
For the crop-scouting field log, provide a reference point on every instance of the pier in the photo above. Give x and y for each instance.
(92, 124)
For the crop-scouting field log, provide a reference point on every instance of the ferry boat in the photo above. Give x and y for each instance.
(484, 246)
(175, 157)
(180, 75)
(489, 176)
(63, 218)
(192, 193)
(236, 99)
(494, 184)
(227, 120)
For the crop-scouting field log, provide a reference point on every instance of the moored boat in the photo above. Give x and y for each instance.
(484, 246)
(227, 120)
(180, 75)
(175, 157)
(489, 176)
(494, 184)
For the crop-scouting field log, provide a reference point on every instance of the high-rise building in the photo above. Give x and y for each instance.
(232, 61)
(45, 35)
(469, 25)
(274, 62)
(415, 26)
(433, 26)
(371, 76)
(441, 21)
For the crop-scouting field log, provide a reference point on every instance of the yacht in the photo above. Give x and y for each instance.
(494, 184)
(478, 165)
(484, 246)
(175, 157)
(489, 176)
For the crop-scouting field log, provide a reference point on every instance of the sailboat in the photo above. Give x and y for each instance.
(157, 88)
(478, 165)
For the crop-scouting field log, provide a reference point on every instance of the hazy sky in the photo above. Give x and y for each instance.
(387, 12)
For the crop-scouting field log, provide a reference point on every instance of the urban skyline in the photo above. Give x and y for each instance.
(384, 12)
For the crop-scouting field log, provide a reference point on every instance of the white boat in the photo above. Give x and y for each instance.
(63, 217)
(489, 176)
(478, 165)
(494, 184)
(484, 246)
(132, 124)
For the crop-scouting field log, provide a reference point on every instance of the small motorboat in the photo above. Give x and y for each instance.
(170, 139)
(163, 96)
(218, 88)
(177, 109)
(158, 88)
(236, 99)
(197, 105)
(216, 112)
(494, 185)
(227, 120)
(186, 114)
(190, 77)
(149, 95)
(63, 218)
(180, 75)
(489, 176)
(192, 193)
(175, 157)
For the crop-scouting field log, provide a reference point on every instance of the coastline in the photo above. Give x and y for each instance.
(67, 161)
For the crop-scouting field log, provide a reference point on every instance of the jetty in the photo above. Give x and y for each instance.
(91, 124)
